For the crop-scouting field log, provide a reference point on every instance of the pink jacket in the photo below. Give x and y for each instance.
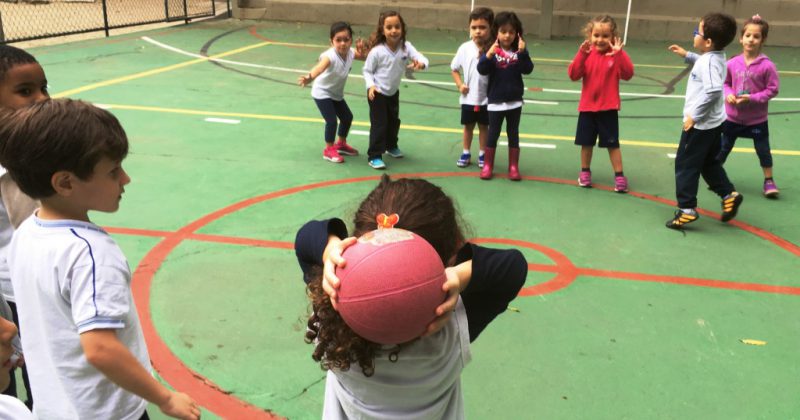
(759, 79)
(601, 74)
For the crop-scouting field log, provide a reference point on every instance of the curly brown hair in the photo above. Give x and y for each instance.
(423, 209)
(600, 20)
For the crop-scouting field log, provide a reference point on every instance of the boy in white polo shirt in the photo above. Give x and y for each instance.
(703, 115)
(88, 358)
(473, 85)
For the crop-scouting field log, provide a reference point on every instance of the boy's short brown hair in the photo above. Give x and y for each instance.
(57, 135)
(484, 13)
(720, 29)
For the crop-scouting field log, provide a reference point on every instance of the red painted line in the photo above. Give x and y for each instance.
(137, 232)
(220, 402)
(690, 281)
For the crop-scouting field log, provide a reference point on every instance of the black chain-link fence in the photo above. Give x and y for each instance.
(22, 20)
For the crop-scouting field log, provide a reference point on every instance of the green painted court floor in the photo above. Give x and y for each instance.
(620, 318)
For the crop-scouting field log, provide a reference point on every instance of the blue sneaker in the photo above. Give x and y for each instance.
(395, 152)
(480, 161)
(463, 161)
(377, 163)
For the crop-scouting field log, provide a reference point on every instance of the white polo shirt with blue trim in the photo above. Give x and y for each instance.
(70, 277)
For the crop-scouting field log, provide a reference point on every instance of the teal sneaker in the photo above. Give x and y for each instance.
(395, 152)
(377, 163)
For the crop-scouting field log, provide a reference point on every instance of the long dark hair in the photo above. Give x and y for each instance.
(423, 209)
(508, 18)
(378, 37)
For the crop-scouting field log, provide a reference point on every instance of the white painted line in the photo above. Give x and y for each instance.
(428, 82)
(359, 132)
(530, 101)
(671, 155)
(222, 120)
(533, 145)
(103, 106)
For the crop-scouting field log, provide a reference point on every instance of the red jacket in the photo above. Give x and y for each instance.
(601, 74)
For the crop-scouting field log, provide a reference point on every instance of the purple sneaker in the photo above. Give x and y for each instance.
(770, 189)
(621, 184)
(585, 179)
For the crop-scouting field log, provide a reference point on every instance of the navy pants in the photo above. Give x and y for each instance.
(512, 117)
(758, 132)
(384, 124)
(331, 110)
(697, 156)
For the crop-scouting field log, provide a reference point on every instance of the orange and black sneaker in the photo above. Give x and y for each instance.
(730, 205)
(681, 219)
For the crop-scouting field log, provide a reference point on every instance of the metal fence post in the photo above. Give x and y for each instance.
(230, 14)
(185, 12)
(105, 17)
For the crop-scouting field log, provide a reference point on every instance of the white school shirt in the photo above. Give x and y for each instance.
(705, 84)
(424, 382)
(385, 68)
(70, 277)
(466, 61)
(330, 84)
(6, 231)
(13, 409)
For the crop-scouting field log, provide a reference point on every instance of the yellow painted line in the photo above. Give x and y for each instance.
(425, 128)
(160, 70)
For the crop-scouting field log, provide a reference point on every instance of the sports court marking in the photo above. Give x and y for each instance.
(640, 143)
(420, 81)
(222, 403)
(222, 120)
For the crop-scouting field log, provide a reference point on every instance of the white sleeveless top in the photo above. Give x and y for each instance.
(330, 84)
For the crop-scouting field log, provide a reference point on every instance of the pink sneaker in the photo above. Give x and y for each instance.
(585, 179)
(620, 184)
(345, 149)
(330, 153)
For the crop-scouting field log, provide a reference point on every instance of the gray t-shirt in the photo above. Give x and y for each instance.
(705, 101)
(424, 382)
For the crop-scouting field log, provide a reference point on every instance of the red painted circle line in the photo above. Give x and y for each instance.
(226, 405)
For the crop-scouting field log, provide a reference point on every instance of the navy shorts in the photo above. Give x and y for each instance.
(470, 116)
(603, 124)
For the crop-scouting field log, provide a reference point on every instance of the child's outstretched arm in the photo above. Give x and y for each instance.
(688, 56)
(418, 61)
(323, 64)
(104, 351)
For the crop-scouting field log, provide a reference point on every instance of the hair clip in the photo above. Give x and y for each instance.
(387, 222)
(756, 18)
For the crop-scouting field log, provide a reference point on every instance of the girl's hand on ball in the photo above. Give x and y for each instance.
(332, 258)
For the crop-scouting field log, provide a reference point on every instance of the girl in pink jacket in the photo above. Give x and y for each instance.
(600, 62)
(751, 82)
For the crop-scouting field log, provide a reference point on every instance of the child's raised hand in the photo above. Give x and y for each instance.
(521, 45)
(451, 286)
(616, 46)
(180, 406)
(361, 49)
(331, 259)
(493, 48)
(677, 50)
(371, 92)
(586, 47)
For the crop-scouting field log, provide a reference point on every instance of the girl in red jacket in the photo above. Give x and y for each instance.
(600, 62)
